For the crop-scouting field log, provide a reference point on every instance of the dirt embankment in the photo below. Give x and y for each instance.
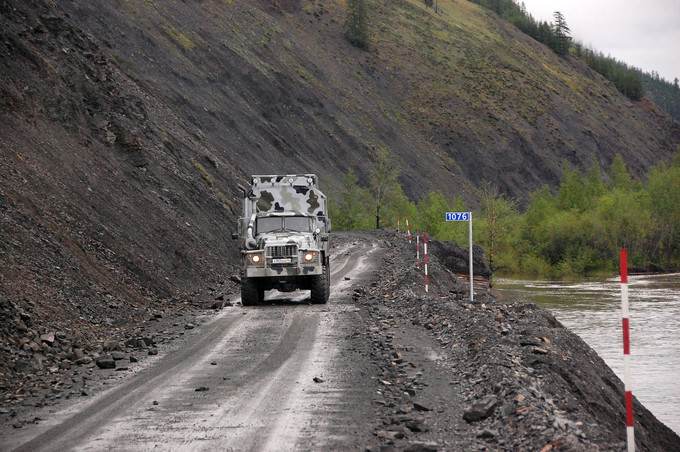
(109, 215)
(505, 376)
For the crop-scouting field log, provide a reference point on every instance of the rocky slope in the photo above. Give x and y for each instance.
(456, 94)
(104, 218)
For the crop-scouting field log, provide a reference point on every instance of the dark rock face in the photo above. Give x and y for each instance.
(457, 259)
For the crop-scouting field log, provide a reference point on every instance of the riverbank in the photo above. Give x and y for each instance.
(591, 308)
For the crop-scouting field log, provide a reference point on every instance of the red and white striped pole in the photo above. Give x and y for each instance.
(425, 252)
(417, 249)
(630, 432)
(408, 229)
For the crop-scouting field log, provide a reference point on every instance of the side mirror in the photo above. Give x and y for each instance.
(234, 236)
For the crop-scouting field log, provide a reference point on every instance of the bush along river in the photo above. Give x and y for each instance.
(592, 309)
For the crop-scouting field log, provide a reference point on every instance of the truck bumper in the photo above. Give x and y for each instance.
(282, 272)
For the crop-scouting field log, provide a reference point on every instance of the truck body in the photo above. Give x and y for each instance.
(283, 235)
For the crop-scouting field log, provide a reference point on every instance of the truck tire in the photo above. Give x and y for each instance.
(251, 294)
(321, 287)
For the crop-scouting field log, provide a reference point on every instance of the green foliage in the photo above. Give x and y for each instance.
(430, 211)
(662, 92)
(498, 226)
(385, 187)
(663, 199)
(577, 192)
(625, 78)
(349, 207)
(561, 31)
(204, 173)
(355, 207)
(580, 229)
(619, 177)
(356, 24)
(576, 231)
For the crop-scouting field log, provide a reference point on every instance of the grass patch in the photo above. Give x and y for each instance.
(121, 61)
(204, 173)
(179, 37)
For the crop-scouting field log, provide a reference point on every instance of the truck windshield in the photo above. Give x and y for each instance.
(302, 224)
(271, 224)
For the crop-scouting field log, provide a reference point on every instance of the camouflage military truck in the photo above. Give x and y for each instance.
(283, 236)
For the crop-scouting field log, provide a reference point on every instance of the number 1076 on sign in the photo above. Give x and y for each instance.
(457, 216)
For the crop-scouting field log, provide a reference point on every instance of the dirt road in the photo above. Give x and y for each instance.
(266, 378)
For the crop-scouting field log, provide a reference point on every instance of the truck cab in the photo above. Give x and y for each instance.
(283, 236)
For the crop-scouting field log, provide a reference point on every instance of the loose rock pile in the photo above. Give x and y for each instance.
(521, 380)
(43, 361)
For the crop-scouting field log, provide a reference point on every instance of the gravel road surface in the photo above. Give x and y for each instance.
(274, 377)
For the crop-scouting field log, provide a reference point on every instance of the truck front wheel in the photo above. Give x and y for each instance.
(251, 293)
(321, 287)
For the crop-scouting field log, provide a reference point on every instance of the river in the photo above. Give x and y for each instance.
(592, 309)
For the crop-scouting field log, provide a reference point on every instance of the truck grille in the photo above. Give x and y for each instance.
(282, 251)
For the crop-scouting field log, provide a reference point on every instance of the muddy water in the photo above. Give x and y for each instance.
(592, 309)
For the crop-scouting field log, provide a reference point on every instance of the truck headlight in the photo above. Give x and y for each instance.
(255, 259)
(309, 256)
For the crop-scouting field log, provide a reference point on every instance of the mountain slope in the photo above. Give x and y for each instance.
(456, 93)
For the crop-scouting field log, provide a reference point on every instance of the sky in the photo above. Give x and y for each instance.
(641, 33)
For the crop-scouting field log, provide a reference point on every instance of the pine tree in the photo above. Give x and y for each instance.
(356, 24)
(561, 31)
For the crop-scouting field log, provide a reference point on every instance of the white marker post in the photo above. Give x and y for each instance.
(630, 432)
(408, 230)
(417, 249)
(425, 251)
(465, 216)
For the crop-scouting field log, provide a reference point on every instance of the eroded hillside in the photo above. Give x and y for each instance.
(456, 94)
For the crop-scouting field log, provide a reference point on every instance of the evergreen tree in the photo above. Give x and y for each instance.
(356, 23)
(561, 33)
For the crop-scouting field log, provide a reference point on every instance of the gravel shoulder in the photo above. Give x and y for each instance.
(517, 379)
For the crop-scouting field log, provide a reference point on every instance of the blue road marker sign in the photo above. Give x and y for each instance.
(457, 216)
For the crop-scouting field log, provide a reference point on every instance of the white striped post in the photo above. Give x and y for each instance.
(417, 249)
(630, 431)
(425, 252)
(408, 229)
(398, 225)
(472, 279)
